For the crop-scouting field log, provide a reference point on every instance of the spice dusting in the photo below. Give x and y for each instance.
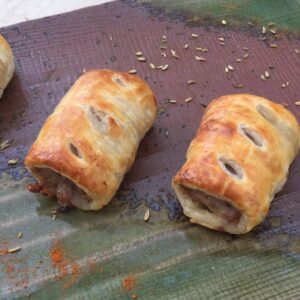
(3, 252)
(56, 255)
(74, 273)
(63, 266)
(58, 261)
(129, 283)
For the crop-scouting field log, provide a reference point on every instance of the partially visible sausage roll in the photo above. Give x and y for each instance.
(90, 140)
(7, 64)
(236, 163)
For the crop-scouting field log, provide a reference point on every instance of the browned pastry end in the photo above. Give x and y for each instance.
(238, 160)
(7, 64)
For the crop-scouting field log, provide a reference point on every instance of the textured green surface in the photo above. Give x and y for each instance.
(163, 256)
(285, 13)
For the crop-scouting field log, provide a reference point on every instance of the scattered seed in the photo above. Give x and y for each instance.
(164, 55)
(221, 39)
(284, 85)
(287, 83)
(113, 58)
(110, 38)
(226, 70)
(53, 217)
(189, 99)
(251, 24)
(163, 48)
(186, 46)
(152, 66)
(139, 53)
(132, 71)
(12, 161)
(222, 44)
(4, 145)
(200, 58)
(263, 30)
(297, 103)
(230, 67)
(142, 59)
(164, 37)
(271, 67)
(262, 38)
(263, 77)
(172, 101)
(238, 60)
(134, 296)
(271, 24)
(273, 46)
(237, 86)
(147, 215)
(159, 67)
(166, 132)
(297, 51)
(19, 235)
(191, 82)
(224, 22)
(165, 67)
(273, 31)
(285, 104)
(201, 49)
(194, 35)
(14, 250)
(245, 48)
(267, 74)
(173, 52)
(161, 110)
(164, 41)
(246, 55)
(83, 70)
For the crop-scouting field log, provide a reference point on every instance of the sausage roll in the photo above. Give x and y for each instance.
(89, 142)
(7, 65)
(236, 163)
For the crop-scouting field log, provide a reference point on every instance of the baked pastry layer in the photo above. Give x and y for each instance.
(238, 160)
(90, 140)
(7, 64)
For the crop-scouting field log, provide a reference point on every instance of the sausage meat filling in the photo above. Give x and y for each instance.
(214, 205)
(55, 185)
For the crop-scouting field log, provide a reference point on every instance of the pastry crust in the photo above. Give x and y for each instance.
(92, 136)
(236, 163)
(7, 65)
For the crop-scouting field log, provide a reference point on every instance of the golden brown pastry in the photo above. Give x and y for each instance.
(90, 140)
(7, 65)
(236, 163)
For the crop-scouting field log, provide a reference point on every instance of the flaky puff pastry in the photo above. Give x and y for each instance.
(7, 64)
(238, 160)
(90, 140)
